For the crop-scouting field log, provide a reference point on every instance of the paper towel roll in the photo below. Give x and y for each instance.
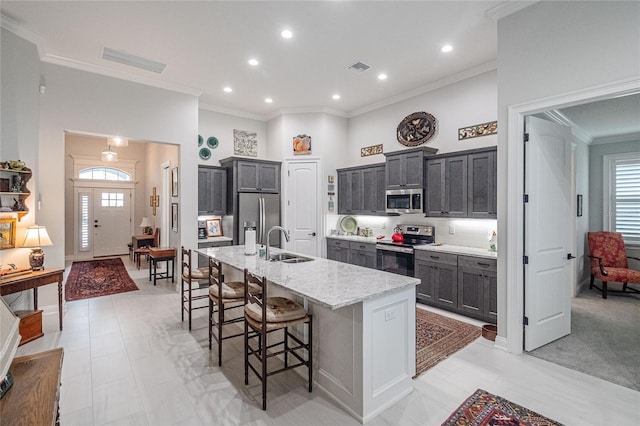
(250, 241)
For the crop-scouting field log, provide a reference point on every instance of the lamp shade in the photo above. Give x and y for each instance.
(109, 155)
(36, 236)
(145, 222)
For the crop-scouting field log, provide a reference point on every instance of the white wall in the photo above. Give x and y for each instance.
(549, 49)
(466, 103)
(221, 126)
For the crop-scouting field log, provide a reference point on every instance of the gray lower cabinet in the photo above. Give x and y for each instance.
(361, 190)
(212, 190)
(463, 284)
(362, 254)
(353, 252)
(203, 261)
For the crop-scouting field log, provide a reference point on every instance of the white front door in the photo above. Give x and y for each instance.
(111, 221)
(302, 207)
(547, 228)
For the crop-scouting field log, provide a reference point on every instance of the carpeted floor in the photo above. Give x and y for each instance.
(604, 340)
(438, 336)
(94, 278)
(484, 408)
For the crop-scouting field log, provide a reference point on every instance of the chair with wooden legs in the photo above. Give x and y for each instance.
(144, 251)
(223, 296)
(191, 276)
(264, 315)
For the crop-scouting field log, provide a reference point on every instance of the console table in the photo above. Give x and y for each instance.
(33, 398)
(33, 280)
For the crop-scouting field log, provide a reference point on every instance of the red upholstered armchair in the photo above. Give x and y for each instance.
(609, 262)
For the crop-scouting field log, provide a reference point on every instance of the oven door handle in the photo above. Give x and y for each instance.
(406, 250)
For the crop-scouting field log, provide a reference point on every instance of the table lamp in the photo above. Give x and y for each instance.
(146, 224)
(35, 238)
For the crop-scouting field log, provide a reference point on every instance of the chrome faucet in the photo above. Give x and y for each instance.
(286, 237)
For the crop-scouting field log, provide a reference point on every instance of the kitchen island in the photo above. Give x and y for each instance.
(364, 325)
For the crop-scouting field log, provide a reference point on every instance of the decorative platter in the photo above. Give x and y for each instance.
(212, 142)
(205, 153)
(416, 129)
(200, 140)
(349, 224)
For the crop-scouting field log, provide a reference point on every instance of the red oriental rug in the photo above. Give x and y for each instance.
(94, 278)
(483, 408)
(438, 336)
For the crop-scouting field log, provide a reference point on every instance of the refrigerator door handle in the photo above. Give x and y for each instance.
(261, 219)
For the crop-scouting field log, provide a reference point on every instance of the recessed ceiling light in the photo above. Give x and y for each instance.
(253, 62)
(228, 89)
(268, 100)
(446, 48)
(286, 34)
(336, 96)
(382, 76)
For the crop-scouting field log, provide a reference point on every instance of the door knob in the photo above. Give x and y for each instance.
(570, 256)
(313, 234)
(96, 226)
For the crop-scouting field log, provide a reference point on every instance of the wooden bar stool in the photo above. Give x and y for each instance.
(264, 315)
(189, 276)
(223, 296)
(161, 254)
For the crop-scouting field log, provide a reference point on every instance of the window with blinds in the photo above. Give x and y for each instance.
(84, 230)
(627, 199)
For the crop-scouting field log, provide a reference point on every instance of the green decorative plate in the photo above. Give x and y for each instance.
(212, 142)
(200, 140)
(205, 153)
(349, 224)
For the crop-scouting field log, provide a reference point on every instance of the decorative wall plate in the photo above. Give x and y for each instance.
(205, 153)
(212, 142)
(416, 129)
(200, 140)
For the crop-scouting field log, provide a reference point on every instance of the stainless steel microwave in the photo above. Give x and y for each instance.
(404, 201)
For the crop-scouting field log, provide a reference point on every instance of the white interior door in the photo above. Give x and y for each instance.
(302, 207)
(548, 223)
(111, 221)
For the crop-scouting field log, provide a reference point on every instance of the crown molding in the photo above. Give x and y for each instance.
(455, 78)
(13, 26)
(307, 110)
(233, 112)
(508, 8)
(634, 136)
(576, 130)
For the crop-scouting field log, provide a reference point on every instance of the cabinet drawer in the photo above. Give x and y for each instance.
(477, 263)
(434, 256)
(332, 242)
(368, 247)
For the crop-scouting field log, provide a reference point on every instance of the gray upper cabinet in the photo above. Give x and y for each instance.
(447, 187)
(482, 185)
(405, 170)
(462, 184)
(361, 190)
(212, 190)
(257, 176)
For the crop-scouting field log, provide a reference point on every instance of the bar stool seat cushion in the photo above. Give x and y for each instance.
(197, 274)
(231, 290)
(279, 310)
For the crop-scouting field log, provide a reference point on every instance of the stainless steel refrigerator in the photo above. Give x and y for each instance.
(264, 210)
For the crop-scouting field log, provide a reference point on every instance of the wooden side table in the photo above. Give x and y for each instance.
(159, 254)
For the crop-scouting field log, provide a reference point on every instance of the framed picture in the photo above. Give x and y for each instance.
(174, 182)
(7, 233)
(579, 205)
(214, 228)
(174, 217)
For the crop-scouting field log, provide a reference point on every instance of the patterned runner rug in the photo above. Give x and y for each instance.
(483, 408)
(94, 278)
(437, 337)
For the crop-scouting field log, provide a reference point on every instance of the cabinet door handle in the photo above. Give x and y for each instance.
(435, 257)
(486, 265)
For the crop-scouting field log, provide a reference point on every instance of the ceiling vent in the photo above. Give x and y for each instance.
(359, 67)
(132, 60)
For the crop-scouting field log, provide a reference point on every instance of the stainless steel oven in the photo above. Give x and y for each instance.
(398, 257)
(403, 200)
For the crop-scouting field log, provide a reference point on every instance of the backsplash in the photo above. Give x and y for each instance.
(466, 232)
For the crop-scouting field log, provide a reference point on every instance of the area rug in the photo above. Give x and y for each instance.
(483, 408)
(438, 336)
(94, 278)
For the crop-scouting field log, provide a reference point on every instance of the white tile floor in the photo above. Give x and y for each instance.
(129, 360)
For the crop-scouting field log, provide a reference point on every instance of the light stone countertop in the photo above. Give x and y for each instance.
(468, 251)
(326, 282)
(214, 239)
(353, 238)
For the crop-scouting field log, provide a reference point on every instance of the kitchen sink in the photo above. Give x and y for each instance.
(288, 258)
